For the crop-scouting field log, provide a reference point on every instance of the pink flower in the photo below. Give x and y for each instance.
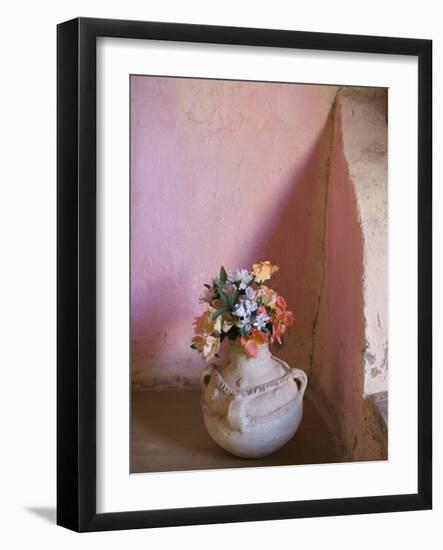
(280, 304)
(251, 342)
(279, 325)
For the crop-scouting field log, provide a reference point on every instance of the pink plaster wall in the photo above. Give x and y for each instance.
(337, 374)
(221, 173)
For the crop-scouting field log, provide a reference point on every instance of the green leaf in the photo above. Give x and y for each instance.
(233, 298)
(218, 313)
(224, 298)
(223, 275)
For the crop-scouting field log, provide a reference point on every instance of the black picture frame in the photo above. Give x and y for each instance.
(76, 278)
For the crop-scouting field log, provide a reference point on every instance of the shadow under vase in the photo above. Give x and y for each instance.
(168, 434)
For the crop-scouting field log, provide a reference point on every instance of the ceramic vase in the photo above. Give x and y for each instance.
(254, 405)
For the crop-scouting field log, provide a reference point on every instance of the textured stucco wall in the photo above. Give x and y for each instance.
(342, 328)
(221, 173)
(364, 129)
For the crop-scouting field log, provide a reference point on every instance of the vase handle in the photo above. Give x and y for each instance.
(205, 376)
(300, 376)
(236, 416)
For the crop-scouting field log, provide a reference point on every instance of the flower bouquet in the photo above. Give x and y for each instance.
(243, 309)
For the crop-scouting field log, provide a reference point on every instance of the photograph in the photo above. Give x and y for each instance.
(222, 321)
(258, 274)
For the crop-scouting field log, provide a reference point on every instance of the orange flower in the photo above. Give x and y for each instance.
(208, 345)
(204, 324)
(268, 296)
(280, 304)
(263, 271)
(251, 342)
(279, 325)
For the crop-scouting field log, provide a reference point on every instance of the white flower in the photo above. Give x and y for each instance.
(245, 324)
(250, 293)
(261, 320)
(243, 277)
(239, 309)
(218, 324)
(251, 305)
(244, 308)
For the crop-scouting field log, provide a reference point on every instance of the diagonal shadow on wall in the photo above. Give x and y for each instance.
(295, 242)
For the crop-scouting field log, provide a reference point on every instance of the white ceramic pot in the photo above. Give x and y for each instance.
(252, 406)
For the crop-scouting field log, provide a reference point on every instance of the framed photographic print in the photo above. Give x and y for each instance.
(244, 274)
